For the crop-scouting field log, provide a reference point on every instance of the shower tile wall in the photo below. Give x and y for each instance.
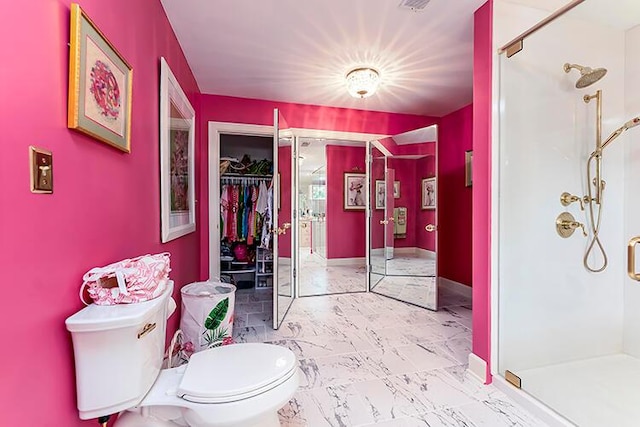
(550, 308)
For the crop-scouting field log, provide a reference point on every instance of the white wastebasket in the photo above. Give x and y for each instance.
(207, 314)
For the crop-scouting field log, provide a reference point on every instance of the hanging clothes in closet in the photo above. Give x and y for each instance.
(245, 207)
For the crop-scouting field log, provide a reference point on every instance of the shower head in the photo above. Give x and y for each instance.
(588, 76)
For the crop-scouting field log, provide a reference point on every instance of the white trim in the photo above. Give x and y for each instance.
(332, 134)
(477, 368)
(377, 144)
(346, 261)
(494, 185)
(457, 287)
(215, 129)
(537, 409)
(172, 93)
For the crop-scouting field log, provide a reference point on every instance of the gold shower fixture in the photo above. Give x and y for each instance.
(588, 75)
(567, 198)
(566, 224)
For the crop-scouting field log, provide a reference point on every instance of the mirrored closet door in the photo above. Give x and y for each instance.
(403, 217)
(283, 206)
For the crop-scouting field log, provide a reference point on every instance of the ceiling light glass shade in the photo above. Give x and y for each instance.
(362, 82)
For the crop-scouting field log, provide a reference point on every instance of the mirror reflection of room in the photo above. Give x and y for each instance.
(331, 181)
(402, 226)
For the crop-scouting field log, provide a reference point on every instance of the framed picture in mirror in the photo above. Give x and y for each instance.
(354, 191)
(429, 193)
(380, 193)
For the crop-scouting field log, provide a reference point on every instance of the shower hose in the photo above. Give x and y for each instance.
(595, 225)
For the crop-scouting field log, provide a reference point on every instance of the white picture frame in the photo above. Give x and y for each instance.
(429, 193)
(177, 152)
(354, 191)
(381, 192)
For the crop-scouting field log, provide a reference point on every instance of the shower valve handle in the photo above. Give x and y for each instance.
(567, 198)
(566, 225)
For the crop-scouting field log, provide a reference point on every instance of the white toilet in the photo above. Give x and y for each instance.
(118, 356)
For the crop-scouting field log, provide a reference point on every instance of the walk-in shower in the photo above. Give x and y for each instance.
(566, 313)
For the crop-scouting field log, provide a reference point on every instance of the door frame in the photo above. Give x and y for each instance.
(215, 129)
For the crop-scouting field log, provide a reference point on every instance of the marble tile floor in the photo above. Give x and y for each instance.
(365, 360)
(409, 265)
(316, 278)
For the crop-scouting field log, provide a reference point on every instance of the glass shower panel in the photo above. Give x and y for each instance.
(560, 326)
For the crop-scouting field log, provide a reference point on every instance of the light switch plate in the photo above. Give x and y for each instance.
(41, 166)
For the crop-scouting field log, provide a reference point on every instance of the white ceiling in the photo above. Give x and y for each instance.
(300, 50)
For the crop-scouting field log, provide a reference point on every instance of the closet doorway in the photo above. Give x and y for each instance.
(251, 183)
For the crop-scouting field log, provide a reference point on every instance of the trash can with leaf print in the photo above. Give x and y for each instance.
(207, 314)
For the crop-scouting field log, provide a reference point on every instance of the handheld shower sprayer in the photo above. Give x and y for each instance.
(628, 125)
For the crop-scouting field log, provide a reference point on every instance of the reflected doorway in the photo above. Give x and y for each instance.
(331, 227)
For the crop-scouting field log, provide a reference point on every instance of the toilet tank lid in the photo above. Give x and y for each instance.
(104, 317)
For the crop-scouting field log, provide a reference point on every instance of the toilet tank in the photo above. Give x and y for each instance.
(118, 352)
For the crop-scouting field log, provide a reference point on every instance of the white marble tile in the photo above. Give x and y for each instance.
(249, 334)
(457, 348)
(325, 345)
(437, 332)
(333, 370)
(257, 319)
(387, 400)
(340, 406)
(426, 356)
(387, 337)
(384, 362)
(248, 307)
(498, 413)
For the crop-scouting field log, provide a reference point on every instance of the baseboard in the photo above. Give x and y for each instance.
(346, 261)
(534, 406)
(477, 368)
(456, 287)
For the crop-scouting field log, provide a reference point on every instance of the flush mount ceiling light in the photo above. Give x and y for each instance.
(362, 82)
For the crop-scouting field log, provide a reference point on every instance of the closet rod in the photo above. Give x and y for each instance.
(228, 177)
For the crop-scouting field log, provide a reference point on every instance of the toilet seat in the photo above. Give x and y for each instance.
(235, 372)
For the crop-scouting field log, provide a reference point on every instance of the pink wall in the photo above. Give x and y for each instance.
(260, 112)
(481, 231)
(454, 199)
(346, 236)
(284, 213)
(425, 240)
(105, 204)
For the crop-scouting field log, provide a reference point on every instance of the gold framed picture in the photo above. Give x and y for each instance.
(100, 82)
